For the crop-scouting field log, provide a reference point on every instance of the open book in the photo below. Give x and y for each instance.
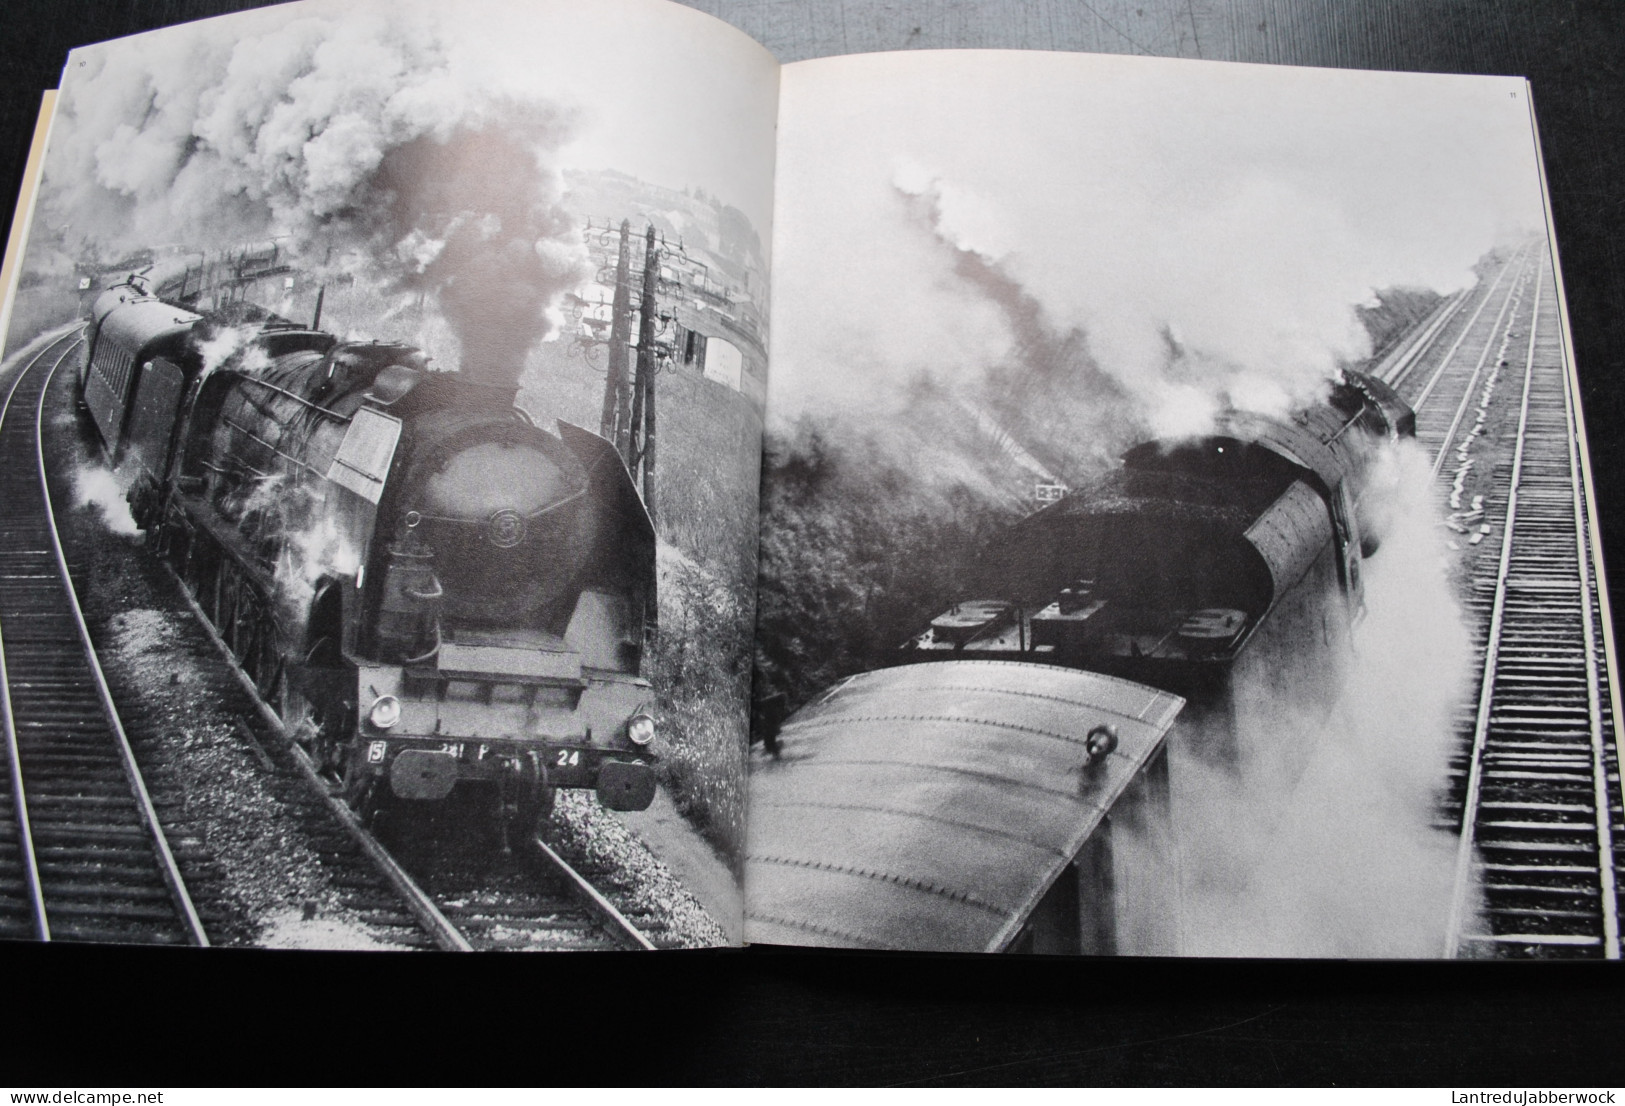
(966, 500)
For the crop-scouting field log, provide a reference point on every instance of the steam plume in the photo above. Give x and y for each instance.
(1193, 235)
(349, 137)
(1342, 858)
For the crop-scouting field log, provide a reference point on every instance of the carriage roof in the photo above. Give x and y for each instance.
(931, 806)
(132, 320)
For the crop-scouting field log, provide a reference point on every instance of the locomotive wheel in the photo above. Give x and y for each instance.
(532, 807)
(535, 811)
(262, 650)
(313, 711)
(244, 621)
(332, 755)
(365, 795)
(298, 715)
(166, 541)
(245, 629)
(320, 728)
(222, 605)
(197, 573)
(321, 734)
(233, 602)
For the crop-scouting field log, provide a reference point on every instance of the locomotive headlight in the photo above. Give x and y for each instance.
(384, 712)
(641, 730)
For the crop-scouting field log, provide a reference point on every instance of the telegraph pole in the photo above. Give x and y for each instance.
(648, 363)
(614, 426)
(628, 415)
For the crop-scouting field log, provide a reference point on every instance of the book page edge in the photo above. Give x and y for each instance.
(22, 219)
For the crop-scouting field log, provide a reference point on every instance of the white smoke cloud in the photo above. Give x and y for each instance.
(96, 487)
(1209, 229)
(1342, 858)
(315, 549)
(347, 132)
(964, 219)
(221, 344)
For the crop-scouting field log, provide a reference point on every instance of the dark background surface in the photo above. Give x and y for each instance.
(141, 1017)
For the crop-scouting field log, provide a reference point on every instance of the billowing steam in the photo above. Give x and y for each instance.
(95, 486)
(220, 344)
(1341, 857)
(315, 549)
(1173, 388)
(350, 138)
(1166, 238)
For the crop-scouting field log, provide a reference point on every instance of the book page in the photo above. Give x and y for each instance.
(9, 269)
(411, 369)
(1173, 537)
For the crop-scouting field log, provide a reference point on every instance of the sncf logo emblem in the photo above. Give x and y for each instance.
(506, 529)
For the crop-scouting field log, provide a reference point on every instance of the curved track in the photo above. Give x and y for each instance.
(83, 849)
(1534, 795)
(90, 857)
(531, 900)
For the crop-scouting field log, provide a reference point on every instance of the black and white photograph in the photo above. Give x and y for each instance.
(547, 476)
(1176, 538)
(383, 402)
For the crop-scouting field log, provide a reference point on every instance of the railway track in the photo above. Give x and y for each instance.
(1534, 783)
(86, 856)
(78, 861)
(529, 898)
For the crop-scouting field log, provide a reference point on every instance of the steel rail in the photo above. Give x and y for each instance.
(446, 935)
(1472, 381)
(25, 829)
(1492, 647)
(1422, 397)
(1402, 365)
(441, 929)
(138, 787)
(613, 919)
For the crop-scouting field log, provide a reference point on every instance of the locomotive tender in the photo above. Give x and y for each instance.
(1196, 601)
(432, 590)
(1225, 569)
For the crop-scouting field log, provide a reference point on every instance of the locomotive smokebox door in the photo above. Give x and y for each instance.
(623, 786)
(423, 774)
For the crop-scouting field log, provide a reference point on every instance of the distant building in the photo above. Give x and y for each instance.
(723, 362)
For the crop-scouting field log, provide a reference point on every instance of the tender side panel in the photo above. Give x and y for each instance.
(106, 387)
(932, 806)
(125, 334)
(1291, 534)
(158, 398)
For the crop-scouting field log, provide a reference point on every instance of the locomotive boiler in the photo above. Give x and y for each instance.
(1194, 602)
(434, 591)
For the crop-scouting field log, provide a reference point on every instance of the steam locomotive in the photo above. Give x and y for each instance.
(1225, 569)
(1198, 598)
(432, 590)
